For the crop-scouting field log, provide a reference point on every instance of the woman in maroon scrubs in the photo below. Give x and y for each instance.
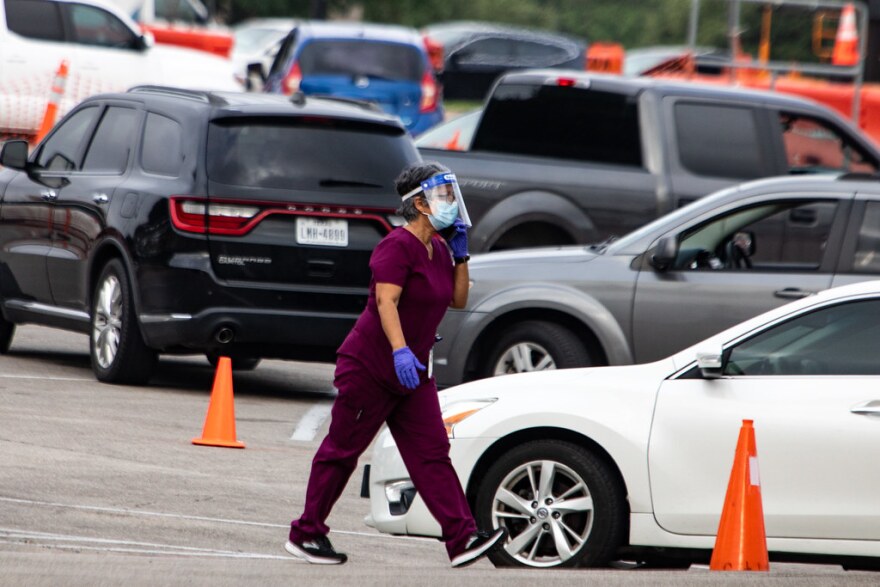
(382, 378)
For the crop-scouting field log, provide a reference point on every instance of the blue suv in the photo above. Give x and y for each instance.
(384, 64)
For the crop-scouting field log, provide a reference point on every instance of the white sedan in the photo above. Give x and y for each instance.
(578, 464)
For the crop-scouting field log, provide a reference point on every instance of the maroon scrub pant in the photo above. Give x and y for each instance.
(414, 420)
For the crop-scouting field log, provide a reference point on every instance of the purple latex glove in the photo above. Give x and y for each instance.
(458, 240)
(406, 363)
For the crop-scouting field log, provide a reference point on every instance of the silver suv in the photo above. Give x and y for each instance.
(669, 284)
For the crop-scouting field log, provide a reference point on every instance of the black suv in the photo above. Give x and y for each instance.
(172, 221)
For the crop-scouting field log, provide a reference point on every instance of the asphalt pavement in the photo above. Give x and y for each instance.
(101, 485)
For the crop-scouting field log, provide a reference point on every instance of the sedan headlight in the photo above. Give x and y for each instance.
(456, 412)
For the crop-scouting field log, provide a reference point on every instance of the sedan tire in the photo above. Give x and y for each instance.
(118, 351)
(561, 505)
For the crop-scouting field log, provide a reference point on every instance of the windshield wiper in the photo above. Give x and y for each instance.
(600, 247)
(348, 183)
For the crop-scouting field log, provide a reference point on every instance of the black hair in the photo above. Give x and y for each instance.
(409, 179)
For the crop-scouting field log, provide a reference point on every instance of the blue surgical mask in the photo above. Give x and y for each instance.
(446, 214)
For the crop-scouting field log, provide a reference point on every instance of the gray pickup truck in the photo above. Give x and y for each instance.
(560, 157)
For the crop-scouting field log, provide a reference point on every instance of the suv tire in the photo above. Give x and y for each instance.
(535, 345)
(117, 349)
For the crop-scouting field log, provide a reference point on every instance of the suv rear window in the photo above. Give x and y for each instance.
(561, 122)
(306, 153)
(378, 60)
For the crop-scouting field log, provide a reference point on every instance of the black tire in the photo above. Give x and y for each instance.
(7, 332)
(117, 349)
(542, 339)
(238, 363)
(602, 527)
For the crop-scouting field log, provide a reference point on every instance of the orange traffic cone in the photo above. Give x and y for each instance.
(57, 92)
(220, 422)
(741, 544)
(846, 44)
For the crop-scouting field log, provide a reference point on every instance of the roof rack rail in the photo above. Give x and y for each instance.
(299, 99)
(198, 95)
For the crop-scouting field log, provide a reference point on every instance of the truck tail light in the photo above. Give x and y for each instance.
(430, 92)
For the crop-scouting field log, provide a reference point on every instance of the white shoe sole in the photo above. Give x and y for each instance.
(309, 558)
(471, 556)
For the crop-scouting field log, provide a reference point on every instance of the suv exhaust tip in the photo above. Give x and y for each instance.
(224, 335)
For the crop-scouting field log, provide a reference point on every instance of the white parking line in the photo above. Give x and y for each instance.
(311, 422)
(132, 512)
(45, 377)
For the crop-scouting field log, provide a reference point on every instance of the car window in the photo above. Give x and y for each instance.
(111, 146)
(738, 156)
(180, 11)
(488, 51)
(787, 235)
(839, 340)
(814, 146)
(35, 19)
(538, 54)
(455, 135)
(303, 154)
(379, 60)
(62, 151)
(94, 26)
(867, 256)
(561, 122)
(161, 150)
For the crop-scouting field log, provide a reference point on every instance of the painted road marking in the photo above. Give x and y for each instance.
(131, 512)
(311, 422)
(45, 377)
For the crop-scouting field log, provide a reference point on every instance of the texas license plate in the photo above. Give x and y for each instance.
(319, 231)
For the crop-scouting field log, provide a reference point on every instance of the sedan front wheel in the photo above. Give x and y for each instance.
(561, 505)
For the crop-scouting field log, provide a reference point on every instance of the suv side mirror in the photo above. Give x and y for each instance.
(14, 155)
(710, 363)
(664, 254)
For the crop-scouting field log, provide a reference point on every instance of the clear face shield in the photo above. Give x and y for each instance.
(441, 191)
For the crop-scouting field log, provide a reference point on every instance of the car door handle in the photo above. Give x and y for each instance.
(792, 293)
(49, 195)
(100, 198)
(869, 407)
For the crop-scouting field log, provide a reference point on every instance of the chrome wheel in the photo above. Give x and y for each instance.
(547, 509)
(523, 357)
(107, 321)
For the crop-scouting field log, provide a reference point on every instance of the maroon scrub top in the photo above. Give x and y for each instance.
(402, 259)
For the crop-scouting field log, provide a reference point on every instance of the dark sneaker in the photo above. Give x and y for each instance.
(479, 546)
(317, 551)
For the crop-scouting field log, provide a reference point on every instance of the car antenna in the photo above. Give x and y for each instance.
(298, 98)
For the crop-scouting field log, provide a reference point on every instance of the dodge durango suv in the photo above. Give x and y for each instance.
(164, 220)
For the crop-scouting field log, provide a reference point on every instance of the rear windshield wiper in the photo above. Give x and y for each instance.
(348, 183)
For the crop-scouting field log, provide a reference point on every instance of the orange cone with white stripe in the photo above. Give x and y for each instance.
(846, 44)
(55, 96)
(741, 544)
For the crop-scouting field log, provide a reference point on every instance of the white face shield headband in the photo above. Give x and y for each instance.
(442, 191)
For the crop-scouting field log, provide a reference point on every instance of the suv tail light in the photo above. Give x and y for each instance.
(430, 92)
(192, 215)
(293, 79)
(237, 218)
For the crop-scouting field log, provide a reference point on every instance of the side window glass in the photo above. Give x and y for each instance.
(111, 145)
(737, 156)
(840, 340)
(813, 146)
(789, 235)
(534, 54)
(867, 257)
(93, 26)
(63, 150)
(35, 19)
(485, 52)
(161, 151)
